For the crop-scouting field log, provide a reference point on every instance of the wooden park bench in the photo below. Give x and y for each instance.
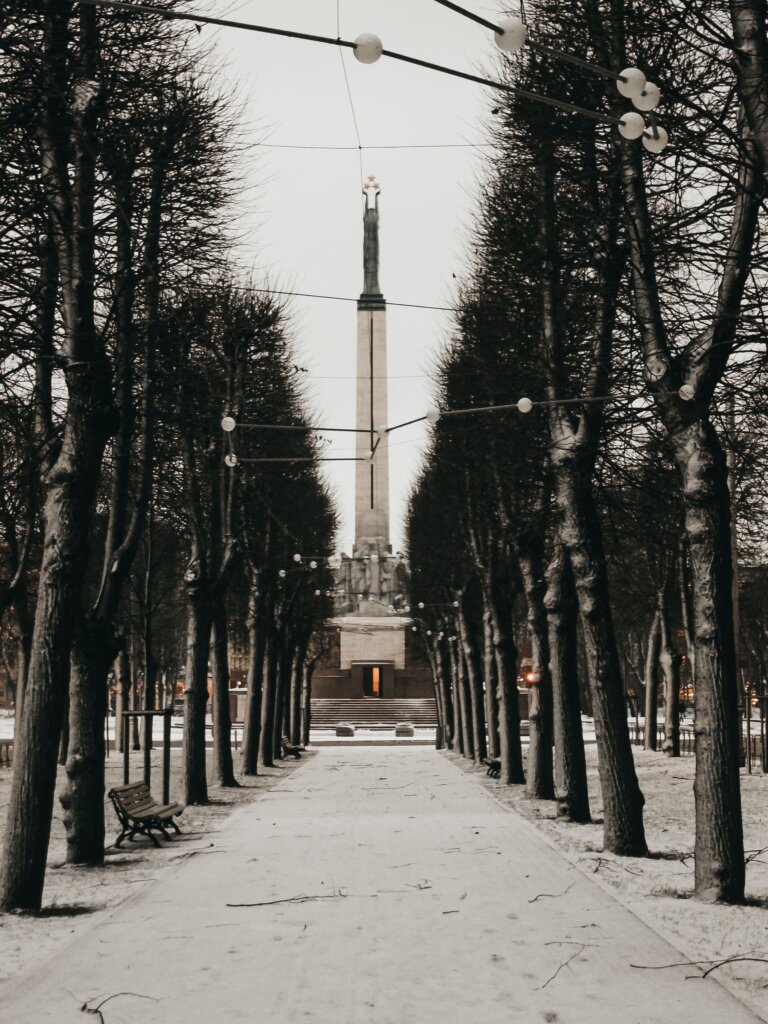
(139, 813)
(494, 766)
(291, 748)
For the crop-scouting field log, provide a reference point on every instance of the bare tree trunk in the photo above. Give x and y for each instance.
(297, 683)
(223, 768)
(271, 660)
(468, 637)
(539, 783)
(65, 135)
(196, 692)
(64, 737)
(686, 609)
(748, 18)
(652, 682)
(254, 680)
(82, 799)
(451, 656)
(490, 679)
(306, 718)
(283, 683)
(505, 653)
(622, 799)
(669, 661)
(571, 791)
(122, 700)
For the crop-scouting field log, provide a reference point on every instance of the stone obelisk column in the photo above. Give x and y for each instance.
(372, 475)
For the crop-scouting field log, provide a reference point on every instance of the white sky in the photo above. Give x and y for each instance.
(303, 226)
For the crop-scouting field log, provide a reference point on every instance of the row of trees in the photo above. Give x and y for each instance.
(127, 334)
(624, 295)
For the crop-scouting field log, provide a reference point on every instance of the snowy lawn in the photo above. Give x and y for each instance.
(658, 889)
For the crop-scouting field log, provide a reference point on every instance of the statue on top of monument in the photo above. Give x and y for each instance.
(371, 239)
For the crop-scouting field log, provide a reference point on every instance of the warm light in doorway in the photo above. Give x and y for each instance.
(376, 680)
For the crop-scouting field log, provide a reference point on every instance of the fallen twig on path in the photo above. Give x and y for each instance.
(582, 946)
(337, 894)
(96, 1010)
(552, 895)
(736, 958)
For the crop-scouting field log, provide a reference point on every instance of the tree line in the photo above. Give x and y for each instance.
(138, 542)
(623, 294)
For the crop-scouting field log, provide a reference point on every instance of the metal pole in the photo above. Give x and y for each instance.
(167, 755)
(124, 725)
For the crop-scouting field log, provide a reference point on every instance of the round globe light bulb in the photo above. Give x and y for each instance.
(282, 574)
(655, 139)
(631, 83)
(318, 593)
(441, 636)
(414, 629)
(381, 430)
(524, 405)
(230, 460)
(369, 457)
(649, 98)
(407, 609)
(368, 48)
(432, 415)
(631, 125)
(313, 564)
(297, 557)
(390, 607)
(455, 604)
(228, 424)
(420, 604)
(687, 393)
(511, 34)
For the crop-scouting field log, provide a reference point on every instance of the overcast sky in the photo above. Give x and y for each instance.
(303, 224)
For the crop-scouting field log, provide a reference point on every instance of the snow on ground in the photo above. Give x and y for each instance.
(75, 897)
(658, 888)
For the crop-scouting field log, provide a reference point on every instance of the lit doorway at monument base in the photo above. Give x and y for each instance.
(372, 679)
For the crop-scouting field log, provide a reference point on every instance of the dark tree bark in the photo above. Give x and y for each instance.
(469, 638)
(252, 724)
(123, 693)
(271, 668)
(65, 134)
(698, 456)
(573, 451)
(571, 791)
(199, 616)
(223, 767)
(490, 679)
(748, 18)
(539, 783)
(505, 653)
(669, 662)
(651, 682)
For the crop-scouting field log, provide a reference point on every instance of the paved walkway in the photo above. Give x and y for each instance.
(423, 901)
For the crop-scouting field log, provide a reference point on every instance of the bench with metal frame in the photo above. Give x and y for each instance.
(140, 814)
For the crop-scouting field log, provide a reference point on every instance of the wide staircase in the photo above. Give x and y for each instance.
(373, 712)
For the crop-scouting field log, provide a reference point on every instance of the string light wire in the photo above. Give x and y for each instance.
(123, 5)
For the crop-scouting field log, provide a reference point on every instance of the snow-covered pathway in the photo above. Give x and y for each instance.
(391, 889)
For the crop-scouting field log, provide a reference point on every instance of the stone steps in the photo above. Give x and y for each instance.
(373, 712)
